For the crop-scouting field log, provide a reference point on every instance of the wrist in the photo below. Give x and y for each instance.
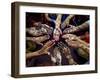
(40, 51)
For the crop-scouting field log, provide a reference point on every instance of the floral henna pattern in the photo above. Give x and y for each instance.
(60, 40)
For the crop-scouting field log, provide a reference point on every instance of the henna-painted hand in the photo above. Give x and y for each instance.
(47, 46)
(70, 37)
(39, 39)
(72, 40)
(74, 44)
(56, 34)
(69, 29)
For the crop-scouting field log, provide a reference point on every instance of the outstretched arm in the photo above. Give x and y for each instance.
(67, 21)
(73, 29)
(43, 50)
(74, 41)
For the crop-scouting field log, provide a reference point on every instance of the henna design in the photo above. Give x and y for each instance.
(42, 33)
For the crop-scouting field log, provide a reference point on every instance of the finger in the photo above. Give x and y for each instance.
(51, 46)
(49, 43)
(52, 42)
(48, 47)
(64, 36)
(66, 40)
(60, 30)
(73, 44)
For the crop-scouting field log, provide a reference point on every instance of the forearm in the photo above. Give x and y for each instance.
(85, 48)
(83, 45)
(58, 21)
(83, 42)
(33, 54)
(83, 53)
(70, 60)
(67, 21)
(69, 57)
(38, 39)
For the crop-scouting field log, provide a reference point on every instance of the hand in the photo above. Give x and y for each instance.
(74, 44)
(42, 51)
(56, 34)
(72, 40)
(47, 46)
(65, 50)
(70, 37)
(69, 29)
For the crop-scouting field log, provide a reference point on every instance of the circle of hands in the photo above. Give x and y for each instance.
(53, 37)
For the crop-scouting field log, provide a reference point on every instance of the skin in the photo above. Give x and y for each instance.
(39, 29)
(67, 21)
(66, 51)
(39, 39)
(56, 58)
(42, 51)
(75, 42)
(71, 39)
(74, 29)
(56, 34)
(57, 31)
